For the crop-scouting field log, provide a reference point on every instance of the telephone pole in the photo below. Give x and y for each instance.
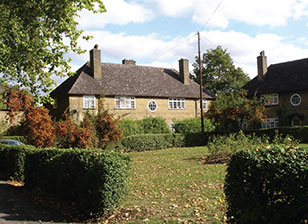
(201, 92)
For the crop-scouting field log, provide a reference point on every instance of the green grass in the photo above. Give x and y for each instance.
(172, 186)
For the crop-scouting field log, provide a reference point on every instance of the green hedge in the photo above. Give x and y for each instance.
(268, 186)
(160, 141)
(94, 181)
(149, 125)
(192, 125)
(12, 161)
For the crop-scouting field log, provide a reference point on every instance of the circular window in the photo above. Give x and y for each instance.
(152, 105)
(296, 100)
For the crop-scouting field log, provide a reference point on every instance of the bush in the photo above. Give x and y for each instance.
(192, 125)
(222, 147)
(12, 161)
(131, 127)
(147, 142)
(268, 185)
(94, 180)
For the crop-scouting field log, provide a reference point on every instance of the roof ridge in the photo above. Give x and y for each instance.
(289, 62)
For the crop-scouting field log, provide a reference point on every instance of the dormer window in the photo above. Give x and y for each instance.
(270, 99)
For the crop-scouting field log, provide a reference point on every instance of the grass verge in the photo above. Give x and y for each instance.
(172, 186)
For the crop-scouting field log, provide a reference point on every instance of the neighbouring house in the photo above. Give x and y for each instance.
(284, 89)
(130, 90)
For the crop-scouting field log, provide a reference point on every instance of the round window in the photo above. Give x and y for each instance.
(152, 105)
(296, 100)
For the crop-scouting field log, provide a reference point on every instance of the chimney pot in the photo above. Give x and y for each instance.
(184, 71)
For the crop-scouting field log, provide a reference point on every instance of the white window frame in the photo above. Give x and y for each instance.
(125, 103)
(295, 95)
(272, 99)
(149, 104)
(204, 104)
(88, 102)
(270, 123)
(176, 104)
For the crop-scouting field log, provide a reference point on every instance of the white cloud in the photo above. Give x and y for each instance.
(119, 12)
(262, 12)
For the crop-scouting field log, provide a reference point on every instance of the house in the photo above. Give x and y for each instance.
(131, 90)
(284, 87)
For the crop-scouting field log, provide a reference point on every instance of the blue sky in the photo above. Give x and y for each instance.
(160, 32)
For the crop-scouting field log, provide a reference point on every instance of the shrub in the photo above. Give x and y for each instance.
(222, 147)
(94, 180)
(147, 142)
(192, 125)
(155, 125)
(267, 185)
(131, 127)
(38, 127)
(12, 161)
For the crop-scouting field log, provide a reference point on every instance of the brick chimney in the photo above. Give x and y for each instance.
(95, 63)
(184, 71)
(128, 62)
(262, 65)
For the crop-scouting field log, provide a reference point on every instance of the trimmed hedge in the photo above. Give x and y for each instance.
(146, 142)
(12, 161)
(192, 125)
(268, 186)
(94, 181)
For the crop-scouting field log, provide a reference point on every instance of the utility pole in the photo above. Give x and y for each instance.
(201, 92)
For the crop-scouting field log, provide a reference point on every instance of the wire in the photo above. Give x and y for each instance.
(212, 14)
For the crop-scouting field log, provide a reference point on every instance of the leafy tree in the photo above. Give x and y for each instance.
(34, 37)
(219, 72)
(231, 109)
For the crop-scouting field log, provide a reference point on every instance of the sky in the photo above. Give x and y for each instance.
(160, 32)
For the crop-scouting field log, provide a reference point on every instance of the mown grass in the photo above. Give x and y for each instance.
(172, 186)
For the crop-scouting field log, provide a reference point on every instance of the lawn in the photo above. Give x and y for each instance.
(172, 186)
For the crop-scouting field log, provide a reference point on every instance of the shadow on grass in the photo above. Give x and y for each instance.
(16, 207)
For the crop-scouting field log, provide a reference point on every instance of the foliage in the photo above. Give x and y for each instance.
(229, 110)
(268, 185)
(155, 125)
(12, 161)
(131, 127)
(34, 38)
(149, 125)
(107, 129)
(192, 125)
(219, 73)
(283, 116)
(146, 142)
(222, 147)
(94, 180)
(37, 127)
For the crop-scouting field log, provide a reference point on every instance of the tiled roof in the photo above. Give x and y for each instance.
(282, 77)
(129, 80)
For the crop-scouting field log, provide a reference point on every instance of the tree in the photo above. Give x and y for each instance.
(34, 38)
(231, 109)
(219, 72)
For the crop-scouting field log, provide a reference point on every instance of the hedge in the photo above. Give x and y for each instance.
(94, 181)
(192, 125)
(268, 186)
(12, 161)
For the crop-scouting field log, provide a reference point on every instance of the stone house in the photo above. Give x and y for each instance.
(131, 90)
(284, 87)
